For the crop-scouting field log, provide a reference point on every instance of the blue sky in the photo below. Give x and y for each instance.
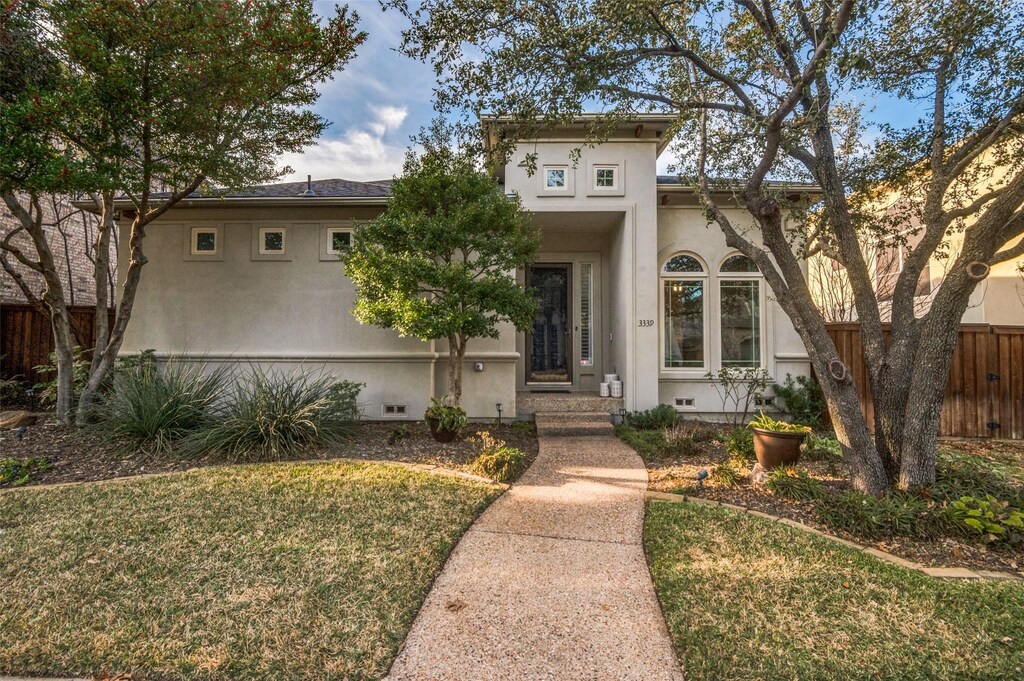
(383, 98)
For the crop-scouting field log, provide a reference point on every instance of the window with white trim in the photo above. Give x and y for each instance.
(555, 177)
(339, 240)
(740, 312)
(272, 240)
(606, 177)
(204, 241)
(684, 284)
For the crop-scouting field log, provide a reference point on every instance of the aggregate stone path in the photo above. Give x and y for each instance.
(551, 581)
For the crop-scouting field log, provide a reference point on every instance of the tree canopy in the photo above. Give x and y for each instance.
(781, 90)
(440, 262)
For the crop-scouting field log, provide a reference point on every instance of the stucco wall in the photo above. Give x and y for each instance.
(292, 313)
(685, 229)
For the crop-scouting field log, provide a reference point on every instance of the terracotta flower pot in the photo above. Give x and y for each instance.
(774, 449)
(441, 434)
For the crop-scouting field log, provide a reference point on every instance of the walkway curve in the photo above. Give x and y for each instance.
(551, 582)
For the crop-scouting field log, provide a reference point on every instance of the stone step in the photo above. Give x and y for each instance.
(530, 403)
(573, 423)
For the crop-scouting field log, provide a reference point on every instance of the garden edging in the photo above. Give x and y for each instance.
(937, 572)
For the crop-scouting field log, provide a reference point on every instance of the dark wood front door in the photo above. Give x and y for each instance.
(549, 343)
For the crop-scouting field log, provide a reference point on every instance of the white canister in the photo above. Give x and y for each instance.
(603, 390)
(611, 378)
(616, 388)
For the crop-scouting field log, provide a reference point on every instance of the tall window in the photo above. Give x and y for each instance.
(683, 286)
(740, 291)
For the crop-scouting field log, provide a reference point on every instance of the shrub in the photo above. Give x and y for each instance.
(18, 472)
(726, 474)
(994, 520)
(679, 440)
(739, 442)
(449, 417)
(650, 444)
(740, 389)
(793, 483)
(822, 448)
(271, 416)
(525, 428)
(152, 408)
(662, 416)
(497, 460)
(801, 399)
(46, 391)
(398, 433)
(12, 393)
(962, 475)
(893, 514)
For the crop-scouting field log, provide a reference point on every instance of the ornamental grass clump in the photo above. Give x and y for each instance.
(497, 460)
(151, 408)
(794, 484)
(269, 416)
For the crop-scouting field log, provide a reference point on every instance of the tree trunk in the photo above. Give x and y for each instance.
(101, 275)
(104, 357)
(456, 355)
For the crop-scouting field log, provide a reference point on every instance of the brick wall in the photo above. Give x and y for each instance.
(70, 234)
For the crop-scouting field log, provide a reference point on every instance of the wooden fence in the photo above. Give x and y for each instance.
(985, 387)
(26, 339)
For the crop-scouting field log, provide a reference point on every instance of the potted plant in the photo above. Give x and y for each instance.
(445, 420)
(777, 443)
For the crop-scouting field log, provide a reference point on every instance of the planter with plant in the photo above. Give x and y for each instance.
(777, 443)
(445, 419)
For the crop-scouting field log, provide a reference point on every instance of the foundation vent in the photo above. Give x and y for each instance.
(686, 403)
(392, 410)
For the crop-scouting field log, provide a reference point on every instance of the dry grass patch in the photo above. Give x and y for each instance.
(749, 599)
(266, 571)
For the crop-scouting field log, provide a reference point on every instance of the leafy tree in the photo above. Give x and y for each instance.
(440, 262)
(149, 102)
(768, 90)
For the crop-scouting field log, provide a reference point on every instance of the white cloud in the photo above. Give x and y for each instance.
(362, 153)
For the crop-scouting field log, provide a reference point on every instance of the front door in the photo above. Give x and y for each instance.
(549, 344)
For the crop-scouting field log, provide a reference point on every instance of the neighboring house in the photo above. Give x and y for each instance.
(632, 281)
(997, 300)
(70, 233)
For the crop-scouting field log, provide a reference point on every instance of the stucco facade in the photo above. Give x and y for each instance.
(608, 229)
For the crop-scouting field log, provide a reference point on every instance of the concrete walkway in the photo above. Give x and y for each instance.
(551, 582)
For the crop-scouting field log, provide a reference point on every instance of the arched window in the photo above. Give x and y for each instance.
(684, 284)
(740, 304)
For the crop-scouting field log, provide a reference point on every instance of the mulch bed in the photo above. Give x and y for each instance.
(680, 474)
(84, 455)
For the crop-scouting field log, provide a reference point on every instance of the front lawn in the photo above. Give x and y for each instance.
(746, 598)
(264, 571)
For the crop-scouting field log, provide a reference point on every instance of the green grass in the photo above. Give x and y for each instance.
(268, 571)
(745, 598)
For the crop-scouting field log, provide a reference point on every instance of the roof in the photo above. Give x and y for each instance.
(332, 188)
(675, 183)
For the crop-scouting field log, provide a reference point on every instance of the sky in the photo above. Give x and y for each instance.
(382, 98)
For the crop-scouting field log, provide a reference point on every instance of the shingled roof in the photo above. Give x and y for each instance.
(332, 188)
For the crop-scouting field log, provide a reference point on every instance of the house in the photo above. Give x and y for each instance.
(998, 299)
(631, 278)
(70, 232)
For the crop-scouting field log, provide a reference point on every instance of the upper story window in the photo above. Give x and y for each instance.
(271, 241)
(339, 240)
(205, 241)
(740, 292)
(555, 177)
(684, 282)
(606, 177)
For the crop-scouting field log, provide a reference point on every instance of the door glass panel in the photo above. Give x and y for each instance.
(550, 337)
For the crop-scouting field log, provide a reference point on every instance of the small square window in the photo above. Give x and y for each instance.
(271, 241)
(204, 241)
(340, 240)
(554, 178)
(604, 178)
